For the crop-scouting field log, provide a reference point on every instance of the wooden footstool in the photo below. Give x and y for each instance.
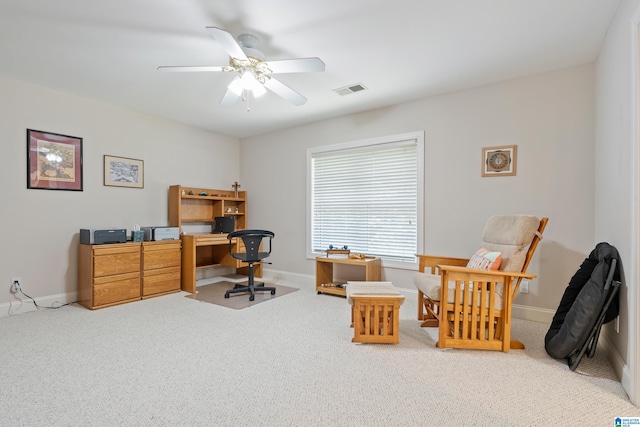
(375, 311)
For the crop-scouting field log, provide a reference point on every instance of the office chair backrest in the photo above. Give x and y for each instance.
(252, 240)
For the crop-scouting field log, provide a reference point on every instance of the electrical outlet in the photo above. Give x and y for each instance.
(524, 287)
(15, 284)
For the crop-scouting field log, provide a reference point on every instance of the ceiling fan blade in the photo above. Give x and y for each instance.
(284, 91)
(180, 68)
(299, 65)
(227, 42)
(229, 98)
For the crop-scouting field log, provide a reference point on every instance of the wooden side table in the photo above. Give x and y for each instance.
(324, 272)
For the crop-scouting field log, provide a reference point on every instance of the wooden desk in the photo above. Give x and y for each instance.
(324, 272)
(191, 205)
(207, 250)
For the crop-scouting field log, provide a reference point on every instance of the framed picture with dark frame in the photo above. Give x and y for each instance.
(54, 161)
(499, 161)
(123, 172)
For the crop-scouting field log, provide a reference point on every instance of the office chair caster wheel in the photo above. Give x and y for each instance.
(273, 291)
(252, 297)
(226, 294)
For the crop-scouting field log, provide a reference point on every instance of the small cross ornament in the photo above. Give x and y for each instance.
(235, 188)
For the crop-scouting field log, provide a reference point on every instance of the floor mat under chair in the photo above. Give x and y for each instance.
(214, 294)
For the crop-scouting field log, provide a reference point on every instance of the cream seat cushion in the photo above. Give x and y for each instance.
(510, 235)
(371, 288)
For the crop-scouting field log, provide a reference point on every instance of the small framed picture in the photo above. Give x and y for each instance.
(123, 172)
(54, 161)
(499, 161)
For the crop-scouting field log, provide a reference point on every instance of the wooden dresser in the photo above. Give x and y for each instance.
(119, 273)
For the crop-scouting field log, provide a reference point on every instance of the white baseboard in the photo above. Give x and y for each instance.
(21, 304)
(276, 276)
(524, 312)
(617, 362)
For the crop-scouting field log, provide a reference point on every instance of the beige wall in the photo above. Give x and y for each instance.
(40, 227)
(549, 116)
(616, 183)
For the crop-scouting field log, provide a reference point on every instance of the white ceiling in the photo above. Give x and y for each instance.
(400, 50)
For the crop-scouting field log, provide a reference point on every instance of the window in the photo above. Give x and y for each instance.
(367, 195)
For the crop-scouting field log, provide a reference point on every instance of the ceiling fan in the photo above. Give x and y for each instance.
(254, 74)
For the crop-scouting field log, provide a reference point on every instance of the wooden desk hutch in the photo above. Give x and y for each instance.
(190, 205)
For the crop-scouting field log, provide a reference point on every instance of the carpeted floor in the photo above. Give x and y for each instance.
(214, 294)
(171, 361)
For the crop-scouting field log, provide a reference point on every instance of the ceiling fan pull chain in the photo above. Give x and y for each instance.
(246, 99)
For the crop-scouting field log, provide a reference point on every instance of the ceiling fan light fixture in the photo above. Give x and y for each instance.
(258, 90)
(236, 86)
(247, 82)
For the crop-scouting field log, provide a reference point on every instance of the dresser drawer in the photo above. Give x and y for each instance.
(107, 261)
(160, 256)
(161, 281)
(116, 289)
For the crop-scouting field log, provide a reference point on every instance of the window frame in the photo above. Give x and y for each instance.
(418, 137)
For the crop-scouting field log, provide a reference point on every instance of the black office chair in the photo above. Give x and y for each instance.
(252, 240)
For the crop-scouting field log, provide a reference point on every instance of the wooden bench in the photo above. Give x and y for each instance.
(375, 311)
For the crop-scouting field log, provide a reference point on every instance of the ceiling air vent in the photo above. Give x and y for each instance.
(350, 89)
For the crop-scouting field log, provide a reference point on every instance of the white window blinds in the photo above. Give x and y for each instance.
(366, 197)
